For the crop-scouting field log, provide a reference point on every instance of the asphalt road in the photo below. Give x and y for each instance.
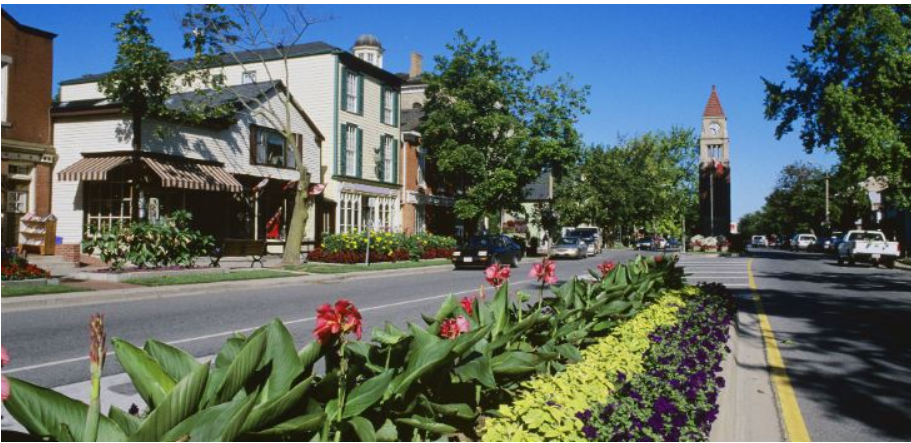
(845, 336)
(49, 346)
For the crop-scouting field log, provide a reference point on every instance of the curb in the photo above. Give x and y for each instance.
(35, 302)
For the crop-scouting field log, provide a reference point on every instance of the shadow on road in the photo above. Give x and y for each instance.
(852, 350)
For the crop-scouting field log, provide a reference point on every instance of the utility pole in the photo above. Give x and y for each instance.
(712, 203)
(828, 223)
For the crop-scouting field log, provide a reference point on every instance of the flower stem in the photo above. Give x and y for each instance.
(342, 390)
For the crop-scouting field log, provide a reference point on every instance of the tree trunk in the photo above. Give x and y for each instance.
(292, 253)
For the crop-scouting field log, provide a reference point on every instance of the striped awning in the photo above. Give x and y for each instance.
(179, 173)
(91, 169)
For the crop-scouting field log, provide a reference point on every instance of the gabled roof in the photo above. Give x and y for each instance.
(269, 54)
(713, 107)
(229, 94)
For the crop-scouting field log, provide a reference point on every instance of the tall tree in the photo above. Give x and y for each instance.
(213, 33)
(142, 77)
(493, 126)
(853, 92)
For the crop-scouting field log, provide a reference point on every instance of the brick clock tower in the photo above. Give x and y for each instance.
(714, 171)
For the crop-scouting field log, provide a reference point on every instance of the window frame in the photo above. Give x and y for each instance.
(259, 134)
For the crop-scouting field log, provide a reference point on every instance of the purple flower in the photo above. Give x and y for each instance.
(656, 422)
(590, 432)
(675, 383)
(719, 381)
(585, 416)
(635, 395)
(664, 406)
(621, 377)
(679, 420)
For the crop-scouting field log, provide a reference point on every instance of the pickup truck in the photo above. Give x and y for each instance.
(871, 246)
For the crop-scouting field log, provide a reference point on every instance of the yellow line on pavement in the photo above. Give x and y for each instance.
(795, 428)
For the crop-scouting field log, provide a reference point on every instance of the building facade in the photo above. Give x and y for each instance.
(714, 170)
(28, 153)
(353, 102)
(428, 203)
(237, 177)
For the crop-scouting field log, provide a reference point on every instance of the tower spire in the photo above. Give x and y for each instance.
(713, 107)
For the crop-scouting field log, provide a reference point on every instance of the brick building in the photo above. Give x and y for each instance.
(28, 154)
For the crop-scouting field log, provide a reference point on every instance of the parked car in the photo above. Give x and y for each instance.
(868, 246)
(672, 244)
(759, 241)
(591, 236)
(485, 250)
(830, 244)
(570, 247)
(658, 243)
(803, 242)
(644, 244)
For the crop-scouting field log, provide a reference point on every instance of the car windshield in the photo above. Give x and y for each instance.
(569, 241)
(480, 242)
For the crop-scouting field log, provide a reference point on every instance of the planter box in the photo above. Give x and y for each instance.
(112, 277)
(32, 282)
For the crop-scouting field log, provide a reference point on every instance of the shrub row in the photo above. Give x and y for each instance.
(388, 244)
(675, 397)
(168, 242)
(352, 257)
(422, 383)
(546, 409)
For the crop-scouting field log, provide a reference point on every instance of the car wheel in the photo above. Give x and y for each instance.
(841, 261)
(890, 264)
(851, 262)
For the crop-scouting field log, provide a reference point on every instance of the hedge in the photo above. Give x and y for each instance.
(547, 408)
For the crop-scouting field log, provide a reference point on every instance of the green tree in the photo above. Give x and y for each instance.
(853, 92)
(142, 77)
(493, 126)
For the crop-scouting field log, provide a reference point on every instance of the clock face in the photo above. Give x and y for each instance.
(714, 129)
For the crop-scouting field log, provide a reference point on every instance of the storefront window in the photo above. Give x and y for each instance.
(107, 203)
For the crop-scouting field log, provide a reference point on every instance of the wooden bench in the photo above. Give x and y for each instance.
(233, 247)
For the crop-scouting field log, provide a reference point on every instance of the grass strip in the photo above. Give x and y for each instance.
(23, 290)
(193, 279)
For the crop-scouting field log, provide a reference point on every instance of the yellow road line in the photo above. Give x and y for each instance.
(795, 428)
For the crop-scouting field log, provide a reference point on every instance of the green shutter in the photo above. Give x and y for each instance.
(345, 89)
(395, 160)
(360, 153)
(383, 106)
(395, 108)
(343, 160)
(360, 94)
(381, 160)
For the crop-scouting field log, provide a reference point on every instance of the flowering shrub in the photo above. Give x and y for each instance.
(19, 269)
(384, 246)
(675, 397)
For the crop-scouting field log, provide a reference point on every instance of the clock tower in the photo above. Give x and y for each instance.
(714, 170)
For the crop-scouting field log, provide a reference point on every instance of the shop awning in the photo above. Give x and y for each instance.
(178, 173)
(91, 169)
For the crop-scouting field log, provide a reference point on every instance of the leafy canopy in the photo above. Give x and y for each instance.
(492, 126)
(853, 92)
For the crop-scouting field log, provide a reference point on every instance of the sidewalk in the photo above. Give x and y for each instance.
(113, 293)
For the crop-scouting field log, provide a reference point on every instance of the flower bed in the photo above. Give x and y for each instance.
(18, 269)
(546, 411)
(424, 382)
(384, 247)
(675, 397)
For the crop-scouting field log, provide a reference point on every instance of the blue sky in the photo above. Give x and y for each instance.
(650, 67)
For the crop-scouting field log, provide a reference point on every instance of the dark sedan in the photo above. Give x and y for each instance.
(485, 250)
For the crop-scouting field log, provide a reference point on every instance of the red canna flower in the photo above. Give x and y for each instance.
(659, 259)
(467, 305)
(544, 272)
(496, 275)
(606, 267)
(3, 383)
(333, 322)
(451, 328)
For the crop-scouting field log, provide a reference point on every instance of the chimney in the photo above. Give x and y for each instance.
(417, 61)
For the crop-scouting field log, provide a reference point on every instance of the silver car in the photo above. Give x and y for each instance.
(569, 247)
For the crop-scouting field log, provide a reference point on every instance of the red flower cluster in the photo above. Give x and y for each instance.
(544, 272)
(351, 257)
(496, 275)
(468, 305)
(334, 322)
(659, 259)
(432, 253)
(451, 328)
(606, 267)
(16, 271)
